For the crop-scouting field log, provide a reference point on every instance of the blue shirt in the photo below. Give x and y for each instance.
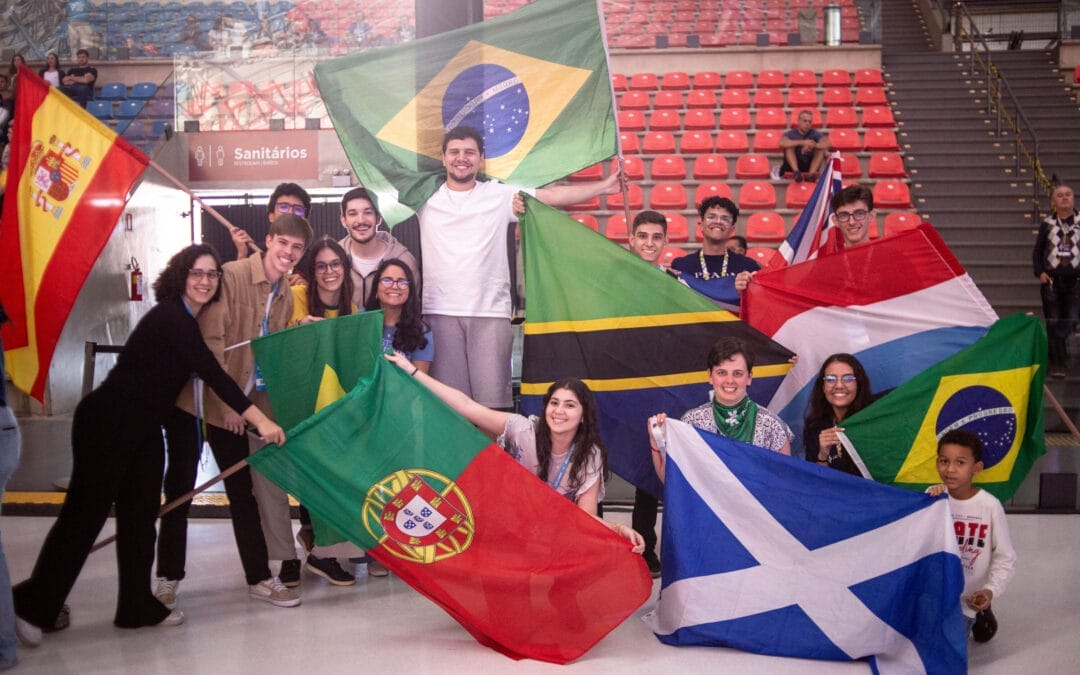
(426, 353)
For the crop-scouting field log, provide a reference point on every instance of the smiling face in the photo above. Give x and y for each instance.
(329, 271)
(854, 223)
(563, 412)
(729, 380)
(957, 467)
(390, 293)
(360, 220)
(462, 162)
(717, 225)
(648, 241)
(839, 393)
(199, 287)
(282, 252)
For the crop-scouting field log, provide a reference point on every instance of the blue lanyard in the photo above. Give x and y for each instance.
(562, 469)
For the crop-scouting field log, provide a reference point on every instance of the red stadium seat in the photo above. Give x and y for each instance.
(665, 120)
(588, 205)
(667, 196)
(879, 140)
(701, 98)
(708, 167)
(589, 173)
(765, 226)
(634, 100)
(886, 165)
(850, 167)
(797, 195)
(867, 96)
(766, 257)
(677, 231)
(891, 194)
(735, 98)
(618, 82)
(802, 97)
(771, 78)
(878, 116)
(868, 77)
(587, 220)
(628, 141)
(898, 221)
(670, 253)
(732, 141)
(738, 79)
(815, 115)
(768, 98)
(836, 78)
(735, 118)
(767, 140)
(615, 228)
(668, 167)
(841, 116)
(837, 96)
(706, 79)
(770, 118)
(752, 166)
(845, 140)
(802, 78)
(636, 199)
(711, 189)
(757, 195)
(698, 119)
(675, 80)
(667, 99)
(693, 142)
(633, 167)
(644, 81)
(658, 143)
(631, 120)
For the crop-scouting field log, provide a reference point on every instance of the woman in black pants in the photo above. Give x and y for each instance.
(118, 452)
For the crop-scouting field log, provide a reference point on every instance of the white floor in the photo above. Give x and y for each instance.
(380, 625)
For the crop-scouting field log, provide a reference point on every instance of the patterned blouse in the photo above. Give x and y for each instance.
(770, 432)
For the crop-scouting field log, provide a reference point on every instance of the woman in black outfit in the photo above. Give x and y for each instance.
(842, 389)
(119, 455)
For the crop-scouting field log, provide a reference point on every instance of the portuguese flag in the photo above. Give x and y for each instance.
(401, 475)
(534, 82)
(994, 389)
(68, 179)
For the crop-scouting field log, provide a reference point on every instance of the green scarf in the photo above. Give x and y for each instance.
(736, 421)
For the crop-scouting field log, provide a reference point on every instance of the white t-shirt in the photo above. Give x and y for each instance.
(519, 439)
(463, 237)
(986, 550)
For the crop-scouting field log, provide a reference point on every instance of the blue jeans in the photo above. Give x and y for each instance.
(9, 460)
(1061, 308)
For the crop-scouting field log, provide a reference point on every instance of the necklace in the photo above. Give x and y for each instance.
(705, 268)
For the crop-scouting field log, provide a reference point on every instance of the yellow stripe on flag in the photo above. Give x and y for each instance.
(655, 381)
(626, 322)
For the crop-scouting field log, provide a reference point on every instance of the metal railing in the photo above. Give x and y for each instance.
(1003, 104)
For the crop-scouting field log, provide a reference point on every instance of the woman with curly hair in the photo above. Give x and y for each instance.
(119, 455)
(403, 329)
(842, 389)
(326, 267)
(562, 447)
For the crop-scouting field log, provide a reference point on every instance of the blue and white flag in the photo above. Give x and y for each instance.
(774, 555)
(720, 290)
(811, 231)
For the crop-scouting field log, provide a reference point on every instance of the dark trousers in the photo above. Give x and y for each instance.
(1061, 308)
(228, 449)
(114, 460)
(643, 517)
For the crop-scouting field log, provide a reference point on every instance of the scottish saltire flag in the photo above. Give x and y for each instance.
(899, 304)
(635, 335)
(811, 231)
(535, 82)
(994, 389)
(774, 555)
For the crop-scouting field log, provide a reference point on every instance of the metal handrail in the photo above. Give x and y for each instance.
(998, 91)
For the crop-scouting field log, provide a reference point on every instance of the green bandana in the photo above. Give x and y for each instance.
(736, 421)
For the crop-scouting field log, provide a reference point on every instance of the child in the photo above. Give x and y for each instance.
(981, 531)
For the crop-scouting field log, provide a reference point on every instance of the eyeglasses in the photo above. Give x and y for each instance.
(332, 266)
(859, 216)
(387, 282)
(286, 207)
(832, 379)
(199, 275)
(723, 220)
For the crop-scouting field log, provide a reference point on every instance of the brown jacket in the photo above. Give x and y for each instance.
(235, 318)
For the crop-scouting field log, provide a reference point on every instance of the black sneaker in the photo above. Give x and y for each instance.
(290, 573)
(985, 626)
(653, 562)
(330, 569)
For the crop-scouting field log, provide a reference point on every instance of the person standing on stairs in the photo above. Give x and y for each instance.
(1056, 262)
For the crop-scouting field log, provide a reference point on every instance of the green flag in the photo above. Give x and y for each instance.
(534, 82)
(992, 389)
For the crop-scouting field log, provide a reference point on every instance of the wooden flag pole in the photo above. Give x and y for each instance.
(1062, 414)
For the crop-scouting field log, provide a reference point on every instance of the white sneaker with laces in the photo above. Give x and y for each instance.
(165, 591)
(273, 591)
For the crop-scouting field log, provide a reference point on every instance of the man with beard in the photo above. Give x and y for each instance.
(366, 244)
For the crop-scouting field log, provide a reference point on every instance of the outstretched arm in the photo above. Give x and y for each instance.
(566, 195)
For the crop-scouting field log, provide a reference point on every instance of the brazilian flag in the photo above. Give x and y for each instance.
(994, 389)
(635, 335)
(534, 82)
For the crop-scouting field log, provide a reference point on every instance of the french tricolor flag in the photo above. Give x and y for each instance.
(900, 304)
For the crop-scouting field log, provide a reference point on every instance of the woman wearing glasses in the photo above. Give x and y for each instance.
(841, 390)
(403, 329)
(119, 456)
(326, 268)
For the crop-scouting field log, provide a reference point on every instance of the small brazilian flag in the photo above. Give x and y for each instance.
(994, 389)
(534, 82)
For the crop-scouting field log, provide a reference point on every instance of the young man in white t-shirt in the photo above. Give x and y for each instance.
(466, 268)
(366, 244)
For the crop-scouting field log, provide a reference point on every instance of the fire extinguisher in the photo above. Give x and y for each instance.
(136, 281)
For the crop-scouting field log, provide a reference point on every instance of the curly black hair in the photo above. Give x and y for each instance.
(172, 282)
(586, 438)
(410, 328)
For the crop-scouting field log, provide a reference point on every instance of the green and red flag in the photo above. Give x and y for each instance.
(534, 82)
(400, 474)
(994, 389)
(69, 177)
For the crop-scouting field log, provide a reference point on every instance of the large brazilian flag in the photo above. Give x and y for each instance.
(535, 82)
(994, 389)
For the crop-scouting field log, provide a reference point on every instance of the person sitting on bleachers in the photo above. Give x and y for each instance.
(804, 149)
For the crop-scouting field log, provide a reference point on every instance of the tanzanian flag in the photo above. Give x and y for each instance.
(994, 389)
(534, 82)
(522, 568)
(636, 336)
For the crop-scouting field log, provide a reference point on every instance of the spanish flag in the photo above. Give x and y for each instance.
(68, 179)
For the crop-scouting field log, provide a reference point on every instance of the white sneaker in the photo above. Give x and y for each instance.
(175, 618)
(166, 592)
(29, 634)
(273, 591)
(774, 174)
